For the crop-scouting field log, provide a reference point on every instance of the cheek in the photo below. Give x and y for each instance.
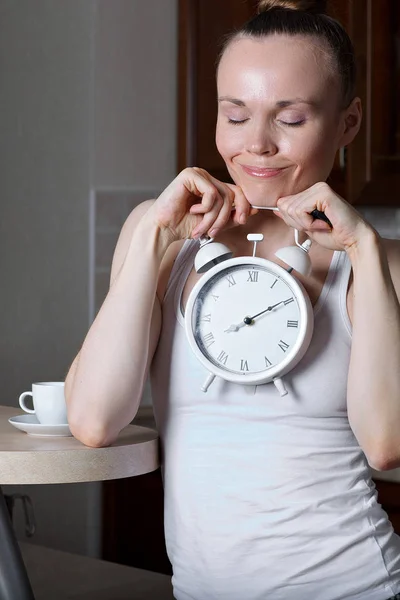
(220, 142)
(228, 141)
(307, 152)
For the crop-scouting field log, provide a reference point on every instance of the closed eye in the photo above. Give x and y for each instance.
(293, 123)
(237, 122)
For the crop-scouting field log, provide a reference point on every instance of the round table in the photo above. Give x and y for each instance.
(27, 459)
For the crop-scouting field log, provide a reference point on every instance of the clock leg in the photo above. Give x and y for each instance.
(280, 386)
(207, 382)
(14, 582)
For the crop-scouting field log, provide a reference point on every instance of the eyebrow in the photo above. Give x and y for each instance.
(279, 104)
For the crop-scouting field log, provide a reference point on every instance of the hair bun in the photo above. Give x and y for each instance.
(310, 6)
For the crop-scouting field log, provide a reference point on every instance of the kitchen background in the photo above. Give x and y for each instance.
(87, 116)
(88, 129)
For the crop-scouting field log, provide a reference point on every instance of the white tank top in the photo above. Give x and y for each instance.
(268, 497)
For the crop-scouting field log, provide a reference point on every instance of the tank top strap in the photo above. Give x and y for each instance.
(329, 284)
(343, 287)
(181, 268)
(333, 297)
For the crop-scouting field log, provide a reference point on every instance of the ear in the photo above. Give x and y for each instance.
(351, 122)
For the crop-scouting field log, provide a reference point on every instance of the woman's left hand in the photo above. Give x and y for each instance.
(348, 227)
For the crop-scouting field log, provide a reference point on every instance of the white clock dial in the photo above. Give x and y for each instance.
(248, 320)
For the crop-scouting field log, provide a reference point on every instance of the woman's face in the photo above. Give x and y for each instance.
(279, 122)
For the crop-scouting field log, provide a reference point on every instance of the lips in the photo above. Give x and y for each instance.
(262, 172)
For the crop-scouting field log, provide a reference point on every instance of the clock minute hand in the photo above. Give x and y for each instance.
(249, 320)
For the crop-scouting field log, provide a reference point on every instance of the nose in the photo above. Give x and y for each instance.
(261, 141)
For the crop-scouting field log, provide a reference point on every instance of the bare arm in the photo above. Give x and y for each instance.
(105, 382)
(373, 390)
(374, 376)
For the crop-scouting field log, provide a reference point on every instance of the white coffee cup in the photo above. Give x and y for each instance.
(48, 402)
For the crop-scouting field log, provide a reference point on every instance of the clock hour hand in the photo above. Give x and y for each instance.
(250, 320)
(235, 327)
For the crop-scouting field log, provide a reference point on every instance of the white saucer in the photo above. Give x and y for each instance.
(31, 426)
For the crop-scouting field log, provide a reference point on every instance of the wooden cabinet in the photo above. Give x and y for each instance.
(368, 171)
(373, 169)
(133, 523)
(389, 497)
(202, 26)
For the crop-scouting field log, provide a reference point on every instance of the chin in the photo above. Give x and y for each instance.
(261, 197)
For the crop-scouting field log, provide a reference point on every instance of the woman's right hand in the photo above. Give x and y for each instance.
(195, 204)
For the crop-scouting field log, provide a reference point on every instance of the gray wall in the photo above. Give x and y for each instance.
(45, 102)
(135, 82)
(87, 101)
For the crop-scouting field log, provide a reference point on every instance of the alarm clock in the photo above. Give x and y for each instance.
(248, 320)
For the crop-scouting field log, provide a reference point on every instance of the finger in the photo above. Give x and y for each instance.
(236, 206)
(228, 196)
(200, 186)
(208, 219)
(243, 208)
(216, 206)
(197, 209)
(293, 210)
(203, 207)
(222, 218)
(238, 200)
(287, 211)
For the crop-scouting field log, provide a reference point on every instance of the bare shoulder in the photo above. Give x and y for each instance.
(123, 244)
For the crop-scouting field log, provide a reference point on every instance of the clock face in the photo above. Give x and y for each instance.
(248, 319)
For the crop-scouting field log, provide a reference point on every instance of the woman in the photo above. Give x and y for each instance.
(265, 497)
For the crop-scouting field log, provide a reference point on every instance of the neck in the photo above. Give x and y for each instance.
(276, 235)
(275, 231)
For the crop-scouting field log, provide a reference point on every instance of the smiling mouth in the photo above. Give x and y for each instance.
(262, 172)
